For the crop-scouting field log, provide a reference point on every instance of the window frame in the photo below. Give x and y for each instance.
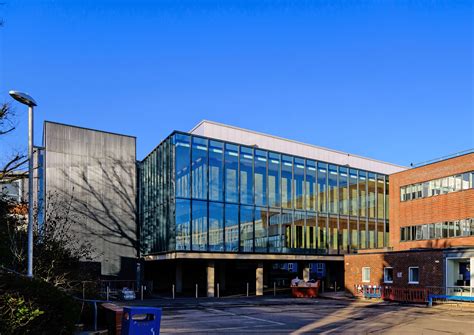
(365, 280)
(385, 277)
(410, 281)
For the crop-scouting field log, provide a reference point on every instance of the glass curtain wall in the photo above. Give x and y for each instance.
(207, 195)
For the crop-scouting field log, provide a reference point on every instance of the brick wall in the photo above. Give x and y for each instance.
(444, 207)
(430, 265)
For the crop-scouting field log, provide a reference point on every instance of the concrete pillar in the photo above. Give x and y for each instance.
(259, 279)
(210, 279)
(306, 272)
(179, 277)
(222, 276)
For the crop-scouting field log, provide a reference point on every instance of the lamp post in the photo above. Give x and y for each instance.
(30, 102)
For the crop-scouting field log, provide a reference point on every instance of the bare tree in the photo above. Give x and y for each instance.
(58, 254)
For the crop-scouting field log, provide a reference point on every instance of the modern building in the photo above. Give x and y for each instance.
(432, 231)
(224, 205)
(92, 174)
(234, 209)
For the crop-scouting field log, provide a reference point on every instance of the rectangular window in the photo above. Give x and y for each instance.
(286, 181)
(231, 173)
(311, 237)
(362, 193)
(274, 180)
(445, 229)
(182, 169)
(274, 231)
(371, 193)
(354, 208)
(310, 182)
(465, 181)
(246, 228)
(419, 233)
(246, 175)
(366, 274)
(333, 191)
(424, 232)
(261, 224)
(231, 228)
(413, 275)
(216, 171)
(439, 230)
(199, 168)
(298, 186)
(322, 187)
(183, 226)
(388, 275)
(260, 178)
(199, 225)
(403, 234)
(344, 191)
(431, 229)
(403, 193)
(216, 226)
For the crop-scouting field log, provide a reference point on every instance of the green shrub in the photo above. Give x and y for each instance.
(32, 306)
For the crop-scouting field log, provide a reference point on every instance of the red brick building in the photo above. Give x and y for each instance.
(431, 231)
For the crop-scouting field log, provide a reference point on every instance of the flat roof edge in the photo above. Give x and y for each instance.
(294, 141)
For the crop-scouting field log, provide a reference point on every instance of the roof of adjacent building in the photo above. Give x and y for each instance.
(274, 143)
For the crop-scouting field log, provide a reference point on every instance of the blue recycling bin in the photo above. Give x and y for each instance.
(141, 320)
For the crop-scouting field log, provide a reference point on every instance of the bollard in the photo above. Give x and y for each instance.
(274, 289)
(247, 289)
(141, 292)
(172, 291)
(322, 286)
(335, 286)
(218, 294)
(107, 294)
(196, 291)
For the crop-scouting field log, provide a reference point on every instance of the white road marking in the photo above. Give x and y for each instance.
(246, 317)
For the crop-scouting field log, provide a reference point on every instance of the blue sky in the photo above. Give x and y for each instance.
(392, 80)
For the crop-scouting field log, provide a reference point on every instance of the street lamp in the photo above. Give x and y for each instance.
(30, 102)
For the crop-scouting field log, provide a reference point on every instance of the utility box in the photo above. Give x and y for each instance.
(141, 320)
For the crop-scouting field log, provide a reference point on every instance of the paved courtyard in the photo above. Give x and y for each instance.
(322, 316)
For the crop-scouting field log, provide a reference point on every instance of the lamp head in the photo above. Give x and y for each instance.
(23, 98)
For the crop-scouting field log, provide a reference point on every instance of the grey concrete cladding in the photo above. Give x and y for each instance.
(96, 172)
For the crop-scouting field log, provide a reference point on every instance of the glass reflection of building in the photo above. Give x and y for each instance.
(206, 195)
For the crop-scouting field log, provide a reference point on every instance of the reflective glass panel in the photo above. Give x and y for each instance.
(311, 237)
(298, 229)
(246, 228)
(231, 227)
(333, 235)
(274, 231)
(354, 208)
(310, 189)
(261, 229)
(322, 187)
(286, 181)
(260, 178)
(353, 234)
(231, 173)
(362, 193)
(322, 235)
(380, 196)
(363, 233)
(299, 183)
(216, 226)
(183, 218)
(274, 180)
(246, 175)
(182, 169)
(199, 168)
(286, 224)
(216, 171)
(199, 225)
(371, 186)
(343, 191)
(333, 191)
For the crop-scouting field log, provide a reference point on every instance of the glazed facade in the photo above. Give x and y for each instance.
(205, 195)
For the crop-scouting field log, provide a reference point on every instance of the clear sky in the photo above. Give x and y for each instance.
(391, 80)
